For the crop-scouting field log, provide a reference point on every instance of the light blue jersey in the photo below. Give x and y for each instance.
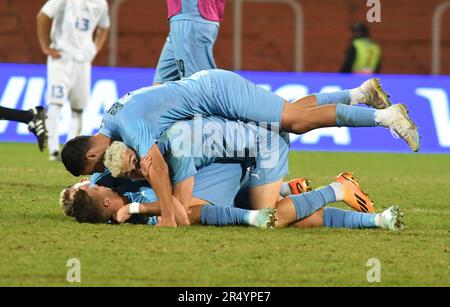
(139, 118)
(190, 145)
(216, 184)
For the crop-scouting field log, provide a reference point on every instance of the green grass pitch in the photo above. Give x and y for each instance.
(37, 240)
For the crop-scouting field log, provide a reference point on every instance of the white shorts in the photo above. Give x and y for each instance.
(68, 80)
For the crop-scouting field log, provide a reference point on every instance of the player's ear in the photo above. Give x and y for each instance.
(107, 202)
(91, 155)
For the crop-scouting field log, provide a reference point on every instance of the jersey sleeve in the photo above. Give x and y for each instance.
(107, 128)
(104, 21)
(51, 7)
(104, 179)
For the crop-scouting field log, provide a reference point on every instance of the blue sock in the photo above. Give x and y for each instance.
(351, 116)
(308, 203)
(222, 216)
(338, 218)
(342, 97)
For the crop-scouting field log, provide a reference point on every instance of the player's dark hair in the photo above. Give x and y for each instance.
(85, 208)
(73, 154)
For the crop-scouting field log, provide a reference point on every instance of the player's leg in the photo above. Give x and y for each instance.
(166, 69)
(16, 115)
(34, 118)
(346, 188)
(265, 196)
(58, 84)
(331, 217)
(297, 207)
(208, 214)
(299, 120)
(266, 177)
(369, 93)
(314, 220)
(193, 44)
(229, 90)
(79, 97)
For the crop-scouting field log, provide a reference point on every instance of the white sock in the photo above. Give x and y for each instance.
(75, 124)
(384, 117)
(377, 220)
(53, 114)
(338, 189)
(356, 96)
(285, 190)
(253, 217)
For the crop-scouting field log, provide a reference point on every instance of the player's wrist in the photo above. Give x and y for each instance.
(134, 208)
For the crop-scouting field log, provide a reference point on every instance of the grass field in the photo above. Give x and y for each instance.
(37, 240)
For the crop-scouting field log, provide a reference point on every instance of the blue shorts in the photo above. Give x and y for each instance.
(218, 183)
(187, 50)
(227, 94)
(272, 162)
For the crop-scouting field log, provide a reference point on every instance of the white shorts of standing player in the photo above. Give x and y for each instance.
(67, 81)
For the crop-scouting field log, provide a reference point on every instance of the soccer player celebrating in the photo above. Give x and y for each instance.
(139, 119)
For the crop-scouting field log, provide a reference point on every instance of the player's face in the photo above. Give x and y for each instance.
(130, 165)
(100, 194)
(93, 166)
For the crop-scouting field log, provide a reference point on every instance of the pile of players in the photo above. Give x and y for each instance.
(181, 151)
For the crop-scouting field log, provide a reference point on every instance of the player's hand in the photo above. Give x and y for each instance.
(146, 163)
(123, 214)
(52, 52)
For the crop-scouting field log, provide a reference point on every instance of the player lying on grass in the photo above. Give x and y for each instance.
(78, 200)
(102, 205)
(139, 119)
(290, 209)
(227, 176)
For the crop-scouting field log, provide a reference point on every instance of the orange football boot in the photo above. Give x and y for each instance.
(299, 186)
(354, 196)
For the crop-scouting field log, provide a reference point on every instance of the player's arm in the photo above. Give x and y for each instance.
(100, 36)
(155, 170)
(44, 25)
(149, 209)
